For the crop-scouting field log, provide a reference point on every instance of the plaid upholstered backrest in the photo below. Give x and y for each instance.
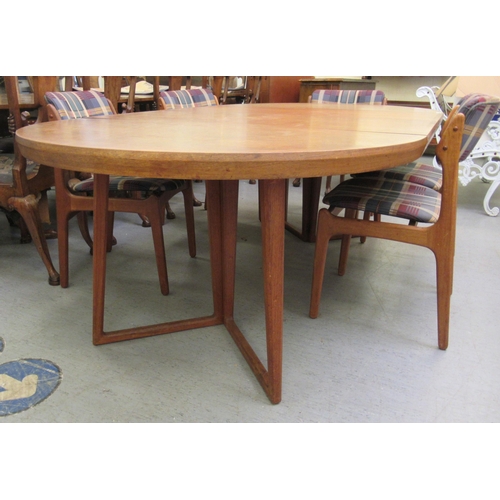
(191, 98)
(80, 104)
(348, 96)
(478, 109)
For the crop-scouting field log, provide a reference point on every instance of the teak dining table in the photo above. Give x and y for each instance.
(221, 145)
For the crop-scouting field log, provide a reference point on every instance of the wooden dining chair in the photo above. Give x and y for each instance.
(479, 110)
(248, 93)
(403, 200)
(24, 187)
(74, 193)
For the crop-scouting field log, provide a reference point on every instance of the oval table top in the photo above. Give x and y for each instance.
(262, 141)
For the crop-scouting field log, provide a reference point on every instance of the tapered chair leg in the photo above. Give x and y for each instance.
(189, 212)
(344, 254)
(320, 253)
(346, 244)
(111, 223)
(444, 280)
(366, 216)
(63, 244)
(170, 212)
(155, 216)
(83, 224)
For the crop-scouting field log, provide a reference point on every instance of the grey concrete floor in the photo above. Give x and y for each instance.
(371, 355)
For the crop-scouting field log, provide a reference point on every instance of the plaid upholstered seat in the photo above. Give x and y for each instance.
(348, 96)
(479, 110)
(191, 98)
(406, 200)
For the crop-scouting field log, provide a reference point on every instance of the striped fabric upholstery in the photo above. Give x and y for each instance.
(79, 104)
(348, 96)
(191, 98)
(418, 173)
(387, 197)
(479, 110)
(116, 183)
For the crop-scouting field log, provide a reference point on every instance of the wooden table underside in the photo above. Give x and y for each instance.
(269, 142)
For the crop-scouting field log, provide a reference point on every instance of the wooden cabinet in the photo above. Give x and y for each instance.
(309, 85)
(280, 88)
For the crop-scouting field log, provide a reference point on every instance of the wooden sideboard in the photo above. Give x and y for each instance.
(309, 85)
(280, 88)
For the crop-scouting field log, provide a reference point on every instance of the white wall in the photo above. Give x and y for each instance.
(404, 88)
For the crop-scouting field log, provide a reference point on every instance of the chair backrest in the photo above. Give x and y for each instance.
(79, 104)
(16, 120)
(189, 98)
(247, 93)
(479, 110)
(253, 86)
(349, 96)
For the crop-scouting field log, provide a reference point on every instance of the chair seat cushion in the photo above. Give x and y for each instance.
(418, 173)
(387, 197)
(118, 183)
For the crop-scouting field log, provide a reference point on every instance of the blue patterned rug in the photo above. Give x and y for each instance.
(26, 382)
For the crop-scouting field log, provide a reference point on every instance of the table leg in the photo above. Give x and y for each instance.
(273, 252)
(99, 336)
(222, 200)
(101, 193)
(310, 205)
(311, 192)
(223, 230)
